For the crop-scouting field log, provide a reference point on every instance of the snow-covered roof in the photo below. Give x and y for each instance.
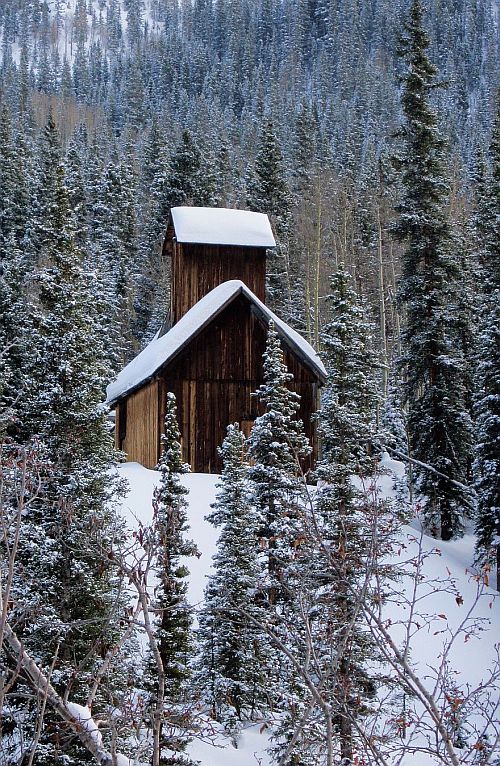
(222, 226)
(164, 348)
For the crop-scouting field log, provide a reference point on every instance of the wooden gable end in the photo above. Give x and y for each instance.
(214, 378)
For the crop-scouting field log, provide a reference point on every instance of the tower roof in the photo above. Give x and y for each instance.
(222, 226)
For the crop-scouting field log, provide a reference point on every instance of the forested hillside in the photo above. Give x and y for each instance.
(289, 107)
(369, 133)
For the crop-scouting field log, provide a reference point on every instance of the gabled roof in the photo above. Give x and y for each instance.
(222, 226)
(165, 348)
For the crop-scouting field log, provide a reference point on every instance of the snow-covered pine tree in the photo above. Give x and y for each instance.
(267, 188)
(487, 404)
(190, 180)
(14, 185)
(276, 447)
(135, 21)
(113, 255)
(344, 514)
(14, 266)
(174, 628)
(351, 396)
(268, 192)
(76, 182)
(393, 419)
(68, 603)
(153, 290)
(12, 317)
(438, 421)
(152, 154)
(305, 138)
(233, 650)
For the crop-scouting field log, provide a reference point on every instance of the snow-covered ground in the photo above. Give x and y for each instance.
(448, 592)
(136, 509)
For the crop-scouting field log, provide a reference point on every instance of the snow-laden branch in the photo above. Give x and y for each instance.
(78, 718)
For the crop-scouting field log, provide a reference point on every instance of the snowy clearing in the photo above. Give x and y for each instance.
(448, 591)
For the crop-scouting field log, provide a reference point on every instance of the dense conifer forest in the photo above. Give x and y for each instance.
(369, 133)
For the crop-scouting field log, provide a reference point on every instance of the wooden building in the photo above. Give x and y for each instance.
(211, 358)
(209, 246)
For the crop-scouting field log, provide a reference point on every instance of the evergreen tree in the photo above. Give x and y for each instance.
(14, 206)
(487, 405)
(190, 180)
(76, 183)
(81, 77)
(276, 447)
(438, 422)
(174, 629)
(304, 149)
(351, 396)
(135, 14)
(134, 94)
(233, 650)
(113, 254)
(14, 183)
(152, 297)
(153, 154)
(23, 76)
(113, 25)
(393, 419)
(267, 188)
(69, 616)
(12, 318)
(345, 514)
(66, 80)
(268, 192)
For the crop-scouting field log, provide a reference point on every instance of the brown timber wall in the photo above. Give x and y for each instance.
(213, 381)
(197, 269)
(141, 438)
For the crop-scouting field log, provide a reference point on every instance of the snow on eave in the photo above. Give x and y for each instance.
(163, 349)
(222, 226)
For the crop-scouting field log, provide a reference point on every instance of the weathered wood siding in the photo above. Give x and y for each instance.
(213, 381)
(139, 436)
(197, 269)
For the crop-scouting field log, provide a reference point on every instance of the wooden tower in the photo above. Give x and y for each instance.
(209, 246)
(211, 358)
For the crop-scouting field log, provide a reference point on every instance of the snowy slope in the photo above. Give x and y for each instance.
(448, 591)
(63, 34)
